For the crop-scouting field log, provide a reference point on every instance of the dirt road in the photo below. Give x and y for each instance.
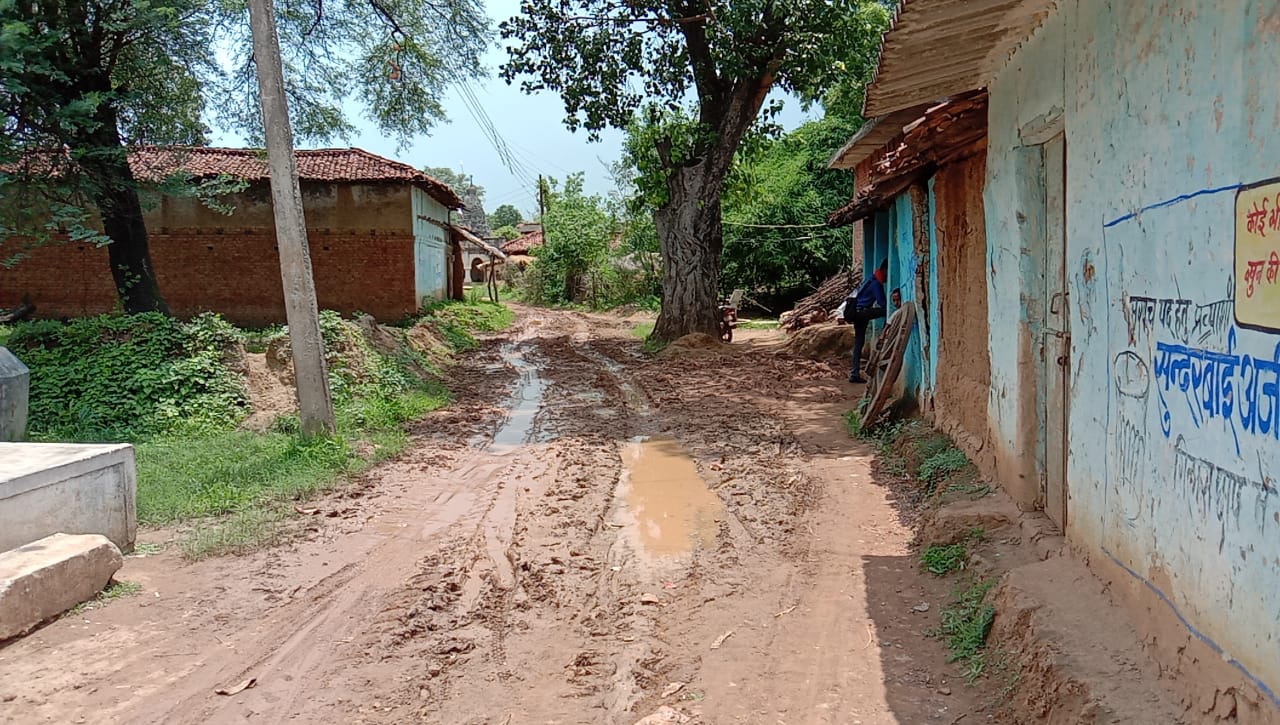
(587, 536)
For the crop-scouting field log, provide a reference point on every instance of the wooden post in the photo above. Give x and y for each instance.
(315, 403)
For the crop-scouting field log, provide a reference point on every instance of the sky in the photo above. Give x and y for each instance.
(532, 127)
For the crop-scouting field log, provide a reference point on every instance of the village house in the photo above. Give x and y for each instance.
(1082, 197)
(379, 233)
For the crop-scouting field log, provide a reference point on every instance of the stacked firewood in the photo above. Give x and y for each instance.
(818, 306)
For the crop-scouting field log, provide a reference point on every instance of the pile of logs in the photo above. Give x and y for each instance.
(817, 307)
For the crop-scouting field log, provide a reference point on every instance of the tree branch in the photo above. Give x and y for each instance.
(705, 75)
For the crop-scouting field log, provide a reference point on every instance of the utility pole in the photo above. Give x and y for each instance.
(315, 403)
(542, 199)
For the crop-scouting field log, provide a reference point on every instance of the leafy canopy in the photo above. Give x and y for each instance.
(607, 59)
(576, 227)
(505, 216)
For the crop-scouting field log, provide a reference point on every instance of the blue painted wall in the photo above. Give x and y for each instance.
(1174, 465)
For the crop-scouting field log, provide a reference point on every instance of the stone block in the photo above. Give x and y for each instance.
(15, 382)
(47, 488)
(45, 578)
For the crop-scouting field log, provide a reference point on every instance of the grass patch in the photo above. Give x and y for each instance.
(168, 387)
(942, 560)
(966, 622)
(942, 464)
(113, 591)
(456, 320)
(642, 330)
(758, 324)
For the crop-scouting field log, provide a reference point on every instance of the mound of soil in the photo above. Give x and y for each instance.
(270, 394)
(697, 343)
(821, 342)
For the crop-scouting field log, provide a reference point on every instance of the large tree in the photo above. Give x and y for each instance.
(84, 81)
(505, 216)
(722, 57)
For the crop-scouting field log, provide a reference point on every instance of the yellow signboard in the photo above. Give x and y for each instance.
(1257, 265)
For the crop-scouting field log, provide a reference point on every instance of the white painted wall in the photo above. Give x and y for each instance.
(1175, 408)
(430, 258)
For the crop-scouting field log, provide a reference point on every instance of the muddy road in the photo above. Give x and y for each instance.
(589, 535)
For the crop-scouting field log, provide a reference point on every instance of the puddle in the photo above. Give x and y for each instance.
(672, 506)
(523, 406)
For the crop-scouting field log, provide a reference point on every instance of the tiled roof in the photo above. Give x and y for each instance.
(523, 243)
(158, 162)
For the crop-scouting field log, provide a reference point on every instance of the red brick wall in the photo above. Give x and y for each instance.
(236, 273)
(361, 242)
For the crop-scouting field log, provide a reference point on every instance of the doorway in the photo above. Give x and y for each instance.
(1055, 357)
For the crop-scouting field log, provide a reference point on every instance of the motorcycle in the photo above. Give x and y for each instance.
(728, 320)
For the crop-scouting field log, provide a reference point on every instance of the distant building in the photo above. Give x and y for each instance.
(378, 233)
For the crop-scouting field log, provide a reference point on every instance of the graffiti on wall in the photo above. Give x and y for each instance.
(1257, 256)
(1212, 492)
(1238, 389)
(1183, 319)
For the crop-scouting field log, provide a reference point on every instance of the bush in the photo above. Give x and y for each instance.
(115, 377)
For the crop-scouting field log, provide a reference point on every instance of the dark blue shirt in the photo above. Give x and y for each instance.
(871, 294)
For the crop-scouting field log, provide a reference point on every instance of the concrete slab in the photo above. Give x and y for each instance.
(15, 384)
(45, 578)
(47, 488)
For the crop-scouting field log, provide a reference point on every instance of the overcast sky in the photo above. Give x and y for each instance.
(532, 127)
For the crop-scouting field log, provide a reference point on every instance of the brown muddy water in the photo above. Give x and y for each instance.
(673, 509)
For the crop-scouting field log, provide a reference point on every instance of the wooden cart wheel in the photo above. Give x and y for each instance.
(885, 364)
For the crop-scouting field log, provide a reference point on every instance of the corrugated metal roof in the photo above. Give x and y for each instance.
(938, 48)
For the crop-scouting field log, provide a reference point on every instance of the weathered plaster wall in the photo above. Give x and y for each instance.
(959, 302)
(430, 258)
(1028, 92)
(1174, 407)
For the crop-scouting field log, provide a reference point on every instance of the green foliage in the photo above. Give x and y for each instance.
(776, 242)
(123, 377)
(577, 263)
(457, 320)
(965, 625)
(167, 387)
(506, 233)
(606, 59)
(114, 590)
(705, 71)
(853, 419)
(505, 215)
(942, 464)
(457, 181)
(942, 560)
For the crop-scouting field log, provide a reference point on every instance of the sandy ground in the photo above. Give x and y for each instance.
(588, 536)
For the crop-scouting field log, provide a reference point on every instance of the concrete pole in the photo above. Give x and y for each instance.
(315, 402)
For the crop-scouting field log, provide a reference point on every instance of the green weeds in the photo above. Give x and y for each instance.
(942, 464)
(966, 621)
(942, 560)
(113, 591)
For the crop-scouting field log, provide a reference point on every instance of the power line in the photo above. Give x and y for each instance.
(773, 226)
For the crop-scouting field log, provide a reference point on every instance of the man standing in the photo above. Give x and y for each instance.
(861, 308)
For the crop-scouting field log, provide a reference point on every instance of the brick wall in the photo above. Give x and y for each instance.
(362, 258)
(236, 273)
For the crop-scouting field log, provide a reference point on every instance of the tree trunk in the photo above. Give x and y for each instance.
(692, 238)
(105, 161)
